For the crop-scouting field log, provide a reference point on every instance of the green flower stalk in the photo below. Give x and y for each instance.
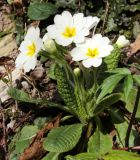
(65, 89)
(69, 94)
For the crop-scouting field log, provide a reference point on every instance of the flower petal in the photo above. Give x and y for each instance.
(20, 60)
(30, 64)
(61, 21)
(80, 37)
(91, 22)
(96, 62)
(23, 45)
(64, 41)
(78, 54)
(29, 49)
(39, 44)
(52, 31)
(79, 21)
(32, 33)
(105, 51)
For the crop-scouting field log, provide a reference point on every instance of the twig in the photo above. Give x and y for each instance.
(132, 118)
(105, 16)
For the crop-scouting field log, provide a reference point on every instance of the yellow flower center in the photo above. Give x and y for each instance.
(92, 52)
(31, 49)
(69, 32)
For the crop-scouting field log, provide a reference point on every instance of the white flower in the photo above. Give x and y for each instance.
(48, 44)
(122, 41)
(68, 28)
(92, 51)
(29, 49)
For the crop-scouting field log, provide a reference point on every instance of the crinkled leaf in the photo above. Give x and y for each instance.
(63, 138)
(40, 11)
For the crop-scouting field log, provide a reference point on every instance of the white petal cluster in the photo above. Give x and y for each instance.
(29, 49)
(67, 28)
(122, 41)
(92, 51)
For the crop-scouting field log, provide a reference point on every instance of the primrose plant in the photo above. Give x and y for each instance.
(81, 82)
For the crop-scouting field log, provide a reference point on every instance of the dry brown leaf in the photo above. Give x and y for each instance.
(4, 60)
(135, 47)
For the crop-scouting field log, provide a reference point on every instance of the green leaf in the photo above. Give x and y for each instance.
(51, 156)
(116, 115)
(82, 156)
(99, 144)
(121, 155)
(123, 71)
(131, 102)
(18, 95)
(51, 71)
(107, 102)
(13, 156)
(21, 145)
(121, 134)
(63, 138)
(27, 133)
(109, 84)
(40, 11)
(137, 79)
(128, 85)
(22, 96)
(40, 121)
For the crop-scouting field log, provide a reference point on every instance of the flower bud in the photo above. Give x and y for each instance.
(77, 71)
(49, 44)
(122, 41)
